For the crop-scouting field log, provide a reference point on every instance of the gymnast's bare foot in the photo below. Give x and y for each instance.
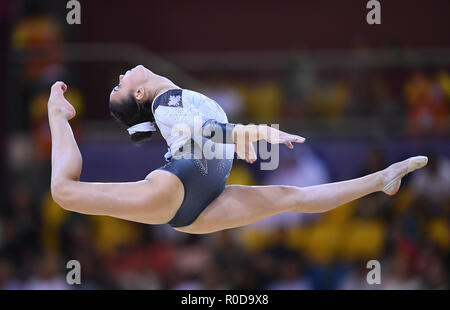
(58, 106)
(392, 175)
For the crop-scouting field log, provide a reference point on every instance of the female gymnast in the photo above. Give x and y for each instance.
(190, 193)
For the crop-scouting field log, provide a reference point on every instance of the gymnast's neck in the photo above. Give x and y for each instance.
(157, 84)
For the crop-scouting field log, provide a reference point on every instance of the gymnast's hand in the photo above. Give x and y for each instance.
(275, 136)
(245, 135)
(58, 106)
(246, 151)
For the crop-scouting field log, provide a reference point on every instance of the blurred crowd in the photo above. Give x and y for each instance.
(408, 233)
(420, 97)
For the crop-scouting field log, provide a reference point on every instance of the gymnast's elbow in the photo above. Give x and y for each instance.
(62, 194)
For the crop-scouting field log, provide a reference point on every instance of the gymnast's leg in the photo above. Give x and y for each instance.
(240, 205)
(154, 200)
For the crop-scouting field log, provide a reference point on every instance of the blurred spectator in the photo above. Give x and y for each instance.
(241, 174)
(290, 277)
(387, 107)
(263, 101)
(356, 278)
(139, 279)
(396, 274)
(19, 226)
(47, 275)
(190, 259)
(426, 103)
(299, 80)
(299, 167)
(329, 99)
(286, 263)
(374, 162)
(8, 280)
(38, 33)
(212, 277)
(433, 182)
(435, 277)
(228, 96)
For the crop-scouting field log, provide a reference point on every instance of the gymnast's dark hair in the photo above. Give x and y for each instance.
(129, 112)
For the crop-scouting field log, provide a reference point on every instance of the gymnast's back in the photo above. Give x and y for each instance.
(181, 113)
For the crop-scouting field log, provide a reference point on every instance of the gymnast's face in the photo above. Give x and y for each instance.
(132, 82)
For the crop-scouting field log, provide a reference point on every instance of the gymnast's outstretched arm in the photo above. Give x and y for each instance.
(143, 201)
(243, 137)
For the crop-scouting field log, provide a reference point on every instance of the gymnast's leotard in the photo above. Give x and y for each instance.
(204, 131)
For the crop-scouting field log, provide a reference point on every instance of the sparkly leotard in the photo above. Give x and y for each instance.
(199, 155)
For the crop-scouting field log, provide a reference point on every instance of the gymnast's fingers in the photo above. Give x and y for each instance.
(297, 139)
(289, 144)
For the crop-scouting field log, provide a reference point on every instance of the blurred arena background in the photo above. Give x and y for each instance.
(363, 95)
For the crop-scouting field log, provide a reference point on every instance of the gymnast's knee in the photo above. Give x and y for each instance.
(62, 194)
(292, 196)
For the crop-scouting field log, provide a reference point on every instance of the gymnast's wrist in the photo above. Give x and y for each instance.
(237, 133)
(263, 132)
(249, 133)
